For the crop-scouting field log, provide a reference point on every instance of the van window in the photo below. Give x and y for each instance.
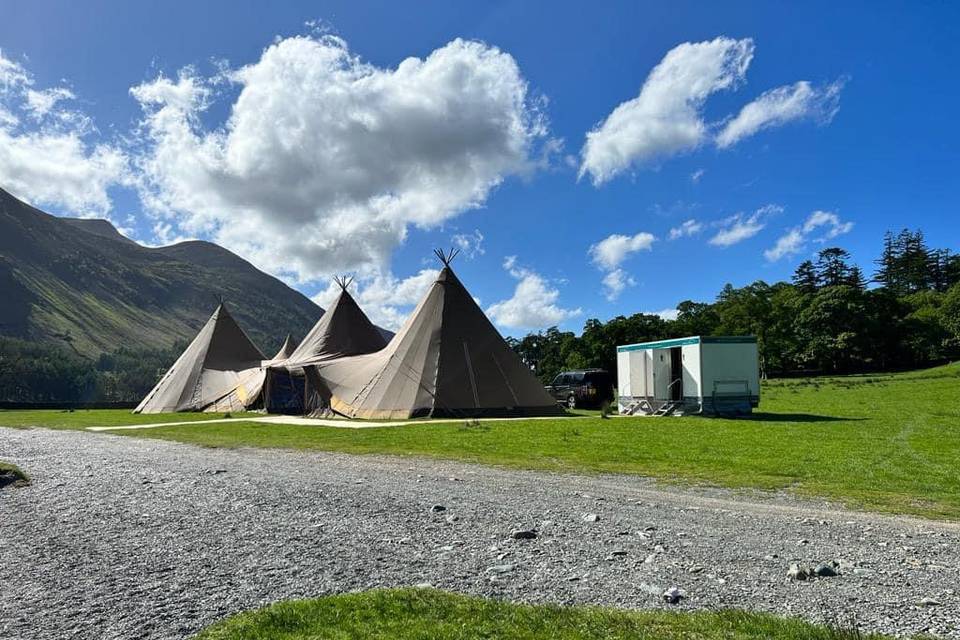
(598, 378)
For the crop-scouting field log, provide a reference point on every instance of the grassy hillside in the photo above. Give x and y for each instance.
(883, 442)
(408, 614)
(83, 285)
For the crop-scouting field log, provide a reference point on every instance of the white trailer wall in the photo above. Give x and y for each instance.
(691, 371)
(730, 366)
(635, 374)
(624, 372)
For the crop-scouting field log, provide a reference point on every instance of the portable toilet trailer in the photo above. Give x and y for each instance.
(699, 374)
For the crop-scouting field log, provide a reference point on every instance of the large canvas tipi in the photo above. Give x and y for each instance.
(219, 371)
(448, 360)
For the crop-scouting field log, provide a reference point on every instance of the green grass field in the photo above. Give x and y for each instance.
(426, 614)
(880, 442)
(83, 418)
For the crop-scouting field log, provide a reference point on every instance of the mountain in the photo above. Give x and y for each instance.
(81, 283)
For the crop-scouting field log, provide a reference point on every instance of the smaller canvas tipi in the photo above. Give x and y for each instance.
(344, 330)
(289, 346)
(219, 371)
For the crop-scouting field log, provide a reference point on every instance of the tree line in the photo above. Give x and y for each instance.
(35, 372)
(830, 318)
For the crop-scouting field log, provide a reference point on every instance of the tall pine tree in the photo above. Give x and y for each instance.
(805, 277)
(832, 267)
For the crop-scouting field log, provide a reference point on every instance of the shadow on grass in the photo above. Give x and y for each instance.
(760, 416)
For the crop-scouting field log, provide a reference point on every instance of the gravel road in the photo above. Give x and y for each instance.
(123, 537)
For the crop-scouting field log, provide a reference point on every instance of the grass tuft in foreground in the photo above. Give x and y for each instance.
(11, 474)
(428, 614)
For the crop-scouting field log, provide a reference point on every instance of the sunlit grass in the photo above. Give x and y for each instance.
(427, 614)
(885, 443)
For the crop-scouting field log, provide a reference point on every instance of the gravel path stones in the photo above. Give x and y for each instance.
(122, 537)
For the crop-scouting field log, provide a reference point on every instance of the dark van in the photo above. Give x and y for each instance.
(585, 388)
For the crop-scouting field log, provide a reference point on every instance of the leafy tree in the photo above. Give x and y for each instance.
(832, 329)
(922, 329)
(950, 317)
(695, 319)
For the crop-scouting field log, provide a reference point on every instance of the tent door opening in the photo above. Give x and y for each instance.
(676, 374)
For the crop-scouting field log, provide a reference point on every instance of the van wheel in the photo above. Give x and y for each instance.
(572, 402)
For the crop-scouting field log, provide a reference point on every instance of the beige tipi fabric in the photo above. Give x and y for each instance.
(289, 346)
(343, 330)
(219, 371)
(447, 360)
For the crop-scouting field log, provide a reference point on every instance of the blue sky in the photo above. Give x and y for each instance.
(226, 121)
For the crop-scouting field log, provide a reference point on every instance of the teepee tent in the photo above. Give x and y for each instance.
(289, 346)
(344, 330)
(219, 371)
(447, 360)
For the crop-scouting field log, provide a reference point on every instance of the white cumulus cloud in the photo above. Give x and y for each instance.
(779, 106)
(325, 160)
(609, 254)
(666, 117)
(533, 304)
(614, 249)
(819, 226)
(741, 226)
(47, 155)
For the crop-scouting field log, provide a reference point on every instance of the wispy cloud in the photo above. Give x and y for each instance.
(689, 228)
(740, 226)
(782, 105)
(470, 244)
(819, 226)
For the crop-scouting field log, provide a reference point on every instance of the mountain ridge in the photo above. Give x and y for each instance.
(80, 282)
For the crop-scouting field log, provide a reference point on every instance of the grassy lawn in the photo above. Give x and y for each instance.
(11, 474)
(426, 614)
(83, 418)
(883, 442)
